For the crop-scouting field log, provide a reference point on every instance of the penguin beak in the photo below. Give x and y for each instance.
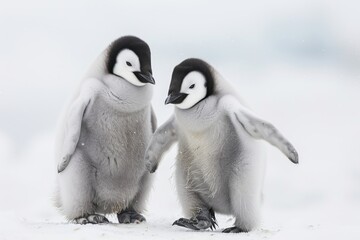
(175, 98)
(145, 77)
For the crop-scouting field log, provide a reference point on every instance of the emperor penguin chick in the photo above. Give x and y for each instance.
(103, 137)
(220, 163)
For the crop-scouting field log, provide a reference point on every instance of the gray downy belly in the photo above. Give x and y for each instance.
(114, 145)
(208, 163)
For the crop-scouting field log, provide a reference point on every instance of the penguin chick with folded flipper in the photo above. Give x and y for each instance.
(103, 137)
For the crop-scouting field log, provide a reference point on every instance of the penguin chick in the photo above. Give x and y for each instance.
(220, 163)
(103, 137)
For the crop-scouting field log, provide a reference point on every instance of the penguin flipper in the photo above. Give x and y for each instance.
(153, 120)
(73, 121)
(260, 129)
(163, 138)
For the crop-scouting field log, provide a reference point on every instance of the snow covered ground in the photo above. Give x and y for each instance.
(297, 66)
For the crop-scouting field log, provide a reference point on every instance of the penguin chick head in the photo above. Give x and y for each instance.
(129, 57)
(192, 81)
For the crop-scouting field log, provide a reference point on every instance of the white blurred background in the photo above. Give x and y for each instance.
(297, 64)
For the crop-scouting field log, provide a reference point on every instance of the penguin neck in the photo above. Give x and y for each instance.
(124, 96)
(199, 117)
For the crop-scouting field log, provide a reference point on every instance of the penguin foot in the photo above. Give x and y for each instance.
(130, 216)
(203, 220)
(92, 218)
(233, 230)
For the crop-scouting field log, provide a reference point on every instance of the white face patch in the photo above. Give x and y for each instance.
(127, 62)
(193, 85)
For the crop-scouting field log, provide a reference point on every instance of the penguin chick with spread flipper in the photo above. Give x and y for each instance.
(220, 162)
(103, 137)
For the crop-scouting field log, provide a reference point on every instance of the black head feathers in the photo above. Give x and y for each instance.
(138, 46)
(187, 66)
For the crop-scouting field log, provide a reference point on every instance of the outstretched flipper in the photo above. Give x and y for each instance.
(161, 141)
(73, 122)
(259, 128)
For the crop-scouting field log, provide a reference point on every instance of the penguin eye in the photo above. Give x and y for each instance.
(129, 64)
(192, 86)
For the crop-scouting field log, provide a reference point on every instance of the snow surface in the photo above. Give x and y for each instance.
(297, 66)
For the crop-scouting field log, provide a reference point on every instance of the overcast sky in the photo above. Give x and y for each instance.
(46, 46)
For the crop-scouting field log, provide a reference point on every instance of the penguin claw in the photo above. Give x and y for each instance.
(213, 219)
(214, 225)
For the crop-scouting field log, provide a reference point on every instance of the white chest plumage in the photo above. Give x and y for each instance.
(115, 140)
(208, 147)
(103, 137)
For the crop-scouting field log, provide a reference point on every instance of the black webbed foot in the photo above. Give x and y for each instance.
(187, 223)
(203, 220)
(233, 230)
(92, 218)
(130, 216)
